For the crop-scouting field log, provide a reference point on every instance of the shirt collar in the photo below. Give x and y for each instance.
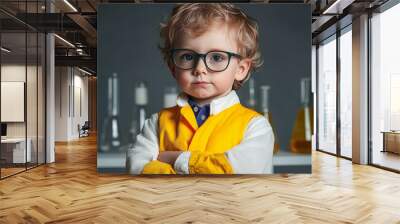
(217, 105)
(193, 103)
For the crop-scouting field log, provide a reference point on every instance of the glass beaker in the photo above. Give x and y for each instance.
(252, 91)
(111, 134)
(300, 141)
(170, 96)
(141, 101)
(264, 99)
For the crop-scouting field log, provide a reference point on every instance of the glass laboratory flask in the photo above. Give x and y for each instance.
(141, 101)
(264, 100)
(170, 96)
(300, 141)
(252, 98)
(111, 134)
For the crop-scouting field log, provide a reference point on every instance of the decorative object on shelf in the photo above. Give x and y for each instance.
(300, 141)
(111, 134)
(264, 99)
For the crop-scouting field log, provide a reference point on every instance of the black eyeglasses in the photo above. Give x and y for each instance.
(216, 61)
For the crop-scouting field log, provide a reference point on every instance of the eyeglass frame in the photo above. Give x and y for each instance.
(203, 56)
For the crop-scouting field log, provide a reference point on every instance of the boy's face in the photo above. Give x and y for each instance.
(201, 83)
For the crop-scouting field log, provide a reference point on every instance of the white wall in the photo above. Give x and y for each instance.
(80, 103)
(16, 72)
(12, 73)
(33, 126)
(61, 103)
(71, 93)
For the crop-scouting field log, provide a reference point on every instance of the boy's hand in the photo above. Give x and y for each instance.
(169, 157)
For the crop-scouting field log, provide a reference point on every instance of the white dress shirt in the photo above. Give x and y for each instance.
(252, 156)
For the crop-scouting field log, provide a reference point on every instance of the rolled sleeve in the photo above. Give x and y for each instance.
(181, 164)
(254, 154)
(146, 147)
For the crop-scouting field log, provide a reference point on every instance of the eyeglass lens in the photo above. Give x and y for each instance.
(214, 60)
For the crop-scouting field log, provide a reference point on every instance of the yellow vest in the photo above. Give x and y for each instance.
(178, 131)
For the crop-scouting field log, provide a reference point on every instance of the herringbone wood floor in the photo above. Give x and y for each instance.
(71, 191)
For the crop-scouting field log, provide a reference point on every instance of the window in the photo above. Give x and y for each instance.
(385, 88)
(346, 92)
(327, 95)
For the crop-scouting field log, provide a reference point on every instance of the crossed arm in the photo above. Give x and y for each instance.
(168, 157)
(252, 155)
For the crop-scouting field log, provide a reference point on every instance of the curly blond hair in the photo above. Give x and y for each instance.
(195, 19)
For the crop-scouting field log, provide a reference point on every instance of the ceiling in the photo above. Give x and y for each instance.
(76, 22)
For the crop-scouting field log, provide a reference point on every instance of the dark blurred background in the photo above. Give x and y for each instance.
(128, 39)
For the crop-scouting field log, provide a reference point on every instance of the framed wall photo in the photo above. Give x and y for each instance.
(163, 107)
(12, 101)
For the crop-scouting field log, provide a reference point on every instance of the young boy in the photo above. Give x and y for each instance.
(210, 50)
